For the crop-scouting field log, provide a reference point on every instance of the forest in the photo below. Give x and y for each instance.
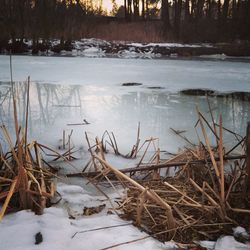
(167, 20)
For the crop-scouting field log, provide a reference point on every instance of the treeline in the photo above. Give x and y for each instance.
(196, 20)
(44, 18)
(182, 20)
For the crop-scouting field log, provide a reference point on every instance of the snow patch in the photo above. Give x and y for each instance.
(228, 242)
(61, 233)
(240, 231)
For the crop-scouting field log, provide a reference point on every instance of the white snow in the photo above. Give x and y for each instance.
(215, 56)
(85, 232)
(225, 243)
(93, 52)
(17, 230)
(228, 242)
(168, 45)
(240, 231)
(128, 54)
(91, 47)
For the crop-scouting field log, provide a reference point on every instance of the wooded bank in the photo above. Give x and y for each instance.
(180, 20)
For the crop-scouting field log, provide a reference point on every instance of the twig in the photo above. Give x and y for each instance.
(100, 228)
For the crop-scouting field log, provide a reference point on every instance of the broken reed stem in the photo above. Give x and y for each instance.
(27, 115)
(115, 144)
(138, 139)
(247, 182)
(19, 165)
(100, 228)
(145, 237)
(134, 150)
(184, 195)
(183, 137)
(91, 152)
(212, 201)
(22, 180)
(166, 164)
(235, 146)
(208, 146)
(63, 139)
(150, 193)
(111, 142)
(156, 173)
(69, 148)
(7, 200)
(213, 121)
(149, 142)
(42, 200)
(222, 185)
(140, 206)
(100, 148)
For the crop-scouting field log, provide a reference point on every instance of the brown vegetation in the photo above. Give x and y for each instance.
(26, 179)
(205, 198)
(141, 31)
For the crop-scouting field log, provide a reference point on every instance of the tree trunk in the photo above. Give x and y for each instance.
(165, 13)
(177, 17)
(219, 9)
(136, 8)
(125, 9)
(225, 9)
(199, 11)
(209, 9)
(187, 11)
(143, 9)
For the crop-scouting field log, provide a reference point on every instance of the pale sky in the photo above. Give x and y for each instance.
(107, 4)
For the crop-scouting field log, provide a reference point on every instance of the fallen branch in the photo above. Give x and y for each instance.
(158, 166)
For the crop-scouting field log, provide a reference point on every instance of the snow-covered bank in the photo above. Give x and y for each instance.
(64, 226)
(101, 48)
(60, 232)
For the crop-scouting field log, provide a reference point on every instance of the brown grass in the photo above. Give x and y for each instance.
(137, 31)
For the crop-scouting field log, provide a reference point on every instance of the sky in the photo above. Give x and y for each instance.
(107, 4)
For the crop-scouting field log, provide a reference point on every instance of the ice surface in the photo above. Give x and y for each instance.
(171, 74)
(91, 89)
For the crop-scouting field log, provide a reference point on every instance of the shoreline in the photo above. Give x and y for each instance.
(101, 48)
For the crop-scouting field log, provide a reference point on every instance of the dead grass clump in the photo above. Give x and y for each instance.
(205, 198)
(26, 180)
(140, 31)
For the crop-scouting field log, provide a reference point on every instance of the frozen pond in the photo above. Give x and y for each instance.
(67, 90)
(172, 74)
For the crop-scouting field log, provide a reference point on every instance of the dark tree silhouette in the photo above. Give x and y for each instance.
(186, 20)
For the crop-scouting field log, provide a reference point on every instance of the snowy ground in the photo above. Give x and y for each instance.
(100, 48)
(91, 47)
(64, 226)
(91, 88)
(59, 232)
